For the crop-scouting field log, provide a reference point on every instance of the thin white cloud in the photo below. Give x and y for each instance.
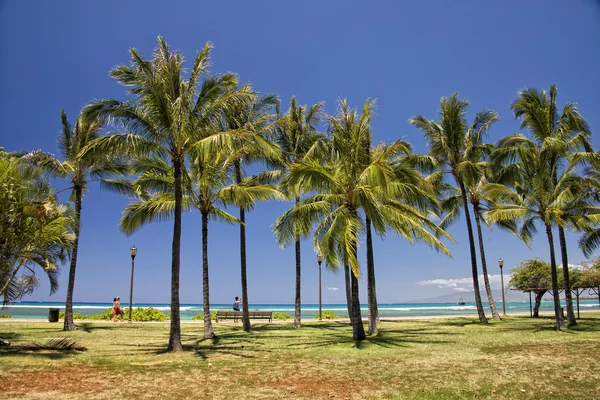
(333, 288)
(462, 289)
(458, 283)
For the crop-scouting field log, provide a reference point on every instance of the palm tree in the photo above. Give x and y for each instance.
(205, 187)
(535, 196)
(454, 144)
(34, 229)
(255, 118)
(452, 205)
(169, 117)
(560, 134)
(299, 139)
(78, 169)
(345, 186)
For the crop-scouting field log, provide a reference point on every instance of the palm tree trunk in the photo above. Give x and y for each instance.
(358, 331)
(245, 314)
(371, 291)
(463, 192)
(69, 325)
(486, 280)
(538, 302)
(565, 269)
(560, 322)
(565, 265)
(347, 274)
(297, 310)
(175, 331)
(208, 329)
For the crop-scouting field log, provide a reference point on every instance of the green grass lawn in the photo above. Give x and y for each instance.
(451, 358)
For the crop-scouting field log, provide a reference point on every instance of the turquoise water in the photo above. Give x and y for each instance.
(39, 310)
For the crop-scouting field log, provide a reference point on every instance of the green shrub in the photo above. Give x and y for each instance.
(281, 315)
(328, 314)
(200, 317)
(146, 314)
(75, 316)
(5, 316)
(138, 314)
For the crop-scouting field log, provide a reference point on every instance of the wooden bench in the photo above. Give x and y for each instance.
(251, 314)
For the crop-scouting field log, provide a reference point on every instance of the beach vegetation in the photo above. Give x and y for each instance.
(170, 116)
(256, 118)
(456, 148)
(562, 134)
(79, 170)
(36, 231)
(5, 316)
(539, 193)
(138, 314)
(282, 315)
(200, 317)
(346, 185)
(328, 314)
(299, 139)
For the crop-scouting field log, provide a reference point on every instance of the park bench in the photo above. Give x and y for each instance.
(251, 314)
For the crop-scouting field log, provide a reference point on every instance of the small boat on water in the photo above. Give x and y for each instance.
(461, 302)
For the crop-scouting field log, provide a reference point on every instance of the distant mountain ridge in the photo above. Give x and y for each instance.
(469, 297)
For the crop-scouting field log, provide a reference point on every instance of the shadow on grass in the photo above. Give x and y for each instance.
(16, 351)
(10, 336)
(89, 327)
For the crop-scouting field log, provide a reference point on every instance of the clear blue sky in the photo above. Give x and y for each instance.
(407, 55)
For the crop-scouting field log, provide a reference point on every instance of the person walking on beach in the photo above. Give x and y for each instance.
(116, 309)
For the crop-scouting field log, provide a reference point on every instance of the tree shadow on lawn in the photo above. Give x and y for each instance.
(545, 324)
(10, 336)
(16, 351)
(89, 327)
(334, 334)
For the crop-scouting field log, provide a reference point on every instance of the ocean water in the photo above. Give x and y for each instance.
(39, 310)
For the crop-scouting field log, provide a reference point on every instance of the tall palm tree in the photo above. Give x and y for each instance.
(345, 186)
(458, 146)
(169, 117)
(535, 196)
(452, 205)
(256, 118)
(561, 134)
(35, 231)
(299, 139)
(78, 169)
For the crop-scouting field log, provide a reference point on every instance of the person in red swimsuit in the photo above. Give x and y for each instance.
(116, 309)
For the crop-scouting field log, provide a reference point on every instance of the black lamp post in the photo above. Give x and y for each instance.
(501, 264)
(320, 260)
(133, 252)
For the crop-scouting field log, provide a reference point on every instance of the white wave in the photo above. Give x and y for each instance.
(427, 308)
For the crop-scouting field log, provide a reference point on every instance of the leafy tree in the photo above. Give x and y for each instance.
(34, 229)
(532, 275)
(78, 169)
(299, 139)
(458, 147)
(168, 118)
(560, 134)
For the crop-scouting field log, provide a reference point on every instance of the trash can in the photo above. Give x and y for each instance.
(53, 314)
